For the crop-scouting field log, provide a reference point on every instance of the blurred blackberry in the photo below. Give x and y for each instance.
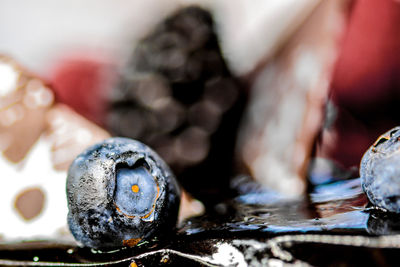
(178, 96)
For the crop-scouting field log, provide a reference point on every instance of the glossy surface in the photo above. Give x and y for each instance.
(323, 230)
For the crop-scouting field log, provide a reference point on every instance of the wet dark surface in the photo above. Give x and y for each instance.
(331, 226)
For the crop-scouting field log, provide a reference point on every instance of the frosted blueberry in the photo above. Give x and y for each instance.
(380, 171)
(119, 193)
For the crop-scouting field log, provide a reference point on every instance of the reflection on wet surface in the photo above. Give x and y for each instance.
(337, 207)
(253, 228)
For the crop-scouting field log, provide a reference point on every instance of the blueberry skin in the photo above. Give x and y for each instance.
(380, 171)
(100, 214)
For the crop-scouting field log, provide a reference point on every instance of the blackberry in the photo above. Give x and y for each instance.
(178, 96)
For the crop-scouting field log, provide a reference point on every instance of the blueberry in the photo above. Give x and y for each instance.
(120, 192)
(380, 171)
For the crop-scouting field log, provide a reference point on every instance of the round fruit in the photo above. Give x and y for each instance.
(380, 171)
(120, 192)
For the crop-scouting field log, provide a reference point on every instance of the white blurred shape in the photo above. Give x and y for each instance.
(8, 79)
(254, 30)
(36, 33)
(35, 171)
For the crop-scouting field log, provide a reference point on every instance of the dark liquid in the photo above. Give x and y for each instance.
(331, 226)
